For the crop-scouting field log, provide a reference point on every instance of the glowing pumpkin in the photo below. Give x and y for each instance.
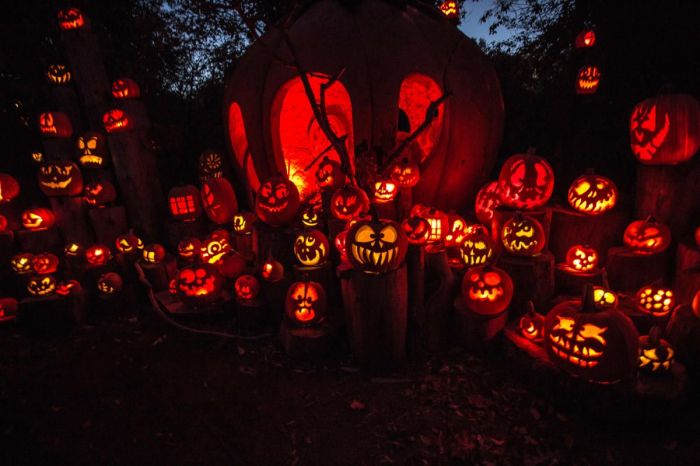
(581, 258)
(376, 246)
(184, 202)
(247, 287)
(70, 287)
(604, 298)
(125, 88)
(58, 74)
(128, 244)
(55, 125)
(22, 263)
(526, 181)
(100, 193)
(215, 246)
(98, 255)
(522, 235)
(116, 121)
(37, 219)
(405, 173)
(244, 223)
(41, 285)
(329, 174)
(277, 201)
(438, 221)
(60, 178)
(9, 188)
(384, 191)
(456, 231)
(110, 283)
(8, 309)
(219, 200)
(531, 325)
(588, 80)
(417, 229)
(477, 248)
(592, 194)
(311, 248)
(92, 149)
(153, 253)
(349, 202)
(306, 303)
(272, 271)
(656, 301)
(73, 250)
(584, 39)
(199, 285)
(647, 236)
(211, 165)
(45, 263)
(487, 290)
(656, 356)
(70, 19)
(310, 217)
(487, 200)
(188, 248)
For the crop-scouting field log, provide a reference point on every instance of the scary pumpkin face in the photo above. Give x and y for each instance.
(246, 287)
(41, 285)
(654, 300)
(310, 217)
(92, 149)
(70, 19)
(184, 203)
(330, 174)
(384, 191)
(244, 223)
(438, 221)
(55, 125)
(215, 246)
(8, 309)
(581, 258)
(376, 246)
(73, 250)
(656, 356)
(45, 263)
(60, 178)
(647, 236)
(22, 263)
(587, 80)
(99, 193)
(341, 244)
(456, 231)
(487, 290)
(416, 229)
(125, 88)
(450, 8)
(98, 255)
(116, 121)
(9, 188)
(199, 285)
(38, 219)
(522, 236)
(58, 74)
(306, 303)
(526, 181)
(405, 173)
(128, 244)
(477, 248)
(153, 253)
(311, 248)
(219, 200)
(211, 165)
(487, 200)
(277, 201)
(604, 298)
(188, 248)
(585, 38)
(109, 283)
(349, 202)
(531, 325)
(592, 194)
(272, 271)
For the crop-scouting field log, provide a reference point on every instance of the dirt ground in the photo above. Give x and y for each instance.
(130, 389)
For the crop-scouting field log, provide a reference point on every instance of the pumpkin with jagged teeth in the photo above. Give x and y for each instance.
(376, 246)
(592, 194)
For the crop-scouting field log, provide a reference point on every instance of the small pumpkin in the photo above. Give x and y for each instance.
(41, 285)
(438, 221)
(128, 244)
(604, 298)
(38, 218)
(348, 203)
(100, 193)
(526, 181)
(70, 287)
(153, 253)
(376, 246)
(588, 79)
(384, 191)
(125, 88)
(45, 263)
(311, 248)
(92, 149)
(97, 255)
(329, 174)
(116, 120)
(417, 229)
(110, 283)
(487, 201)
(272, 271)
(244, 223)
(531, 325)
(70, 19)
(231, 265)
(404, 172)
(9, 188)
(188, 248)
(585, 39)
(522, 235)
(647, 236)
(487, 290)
(219, 200)
(310, 217)
(215, 247)
(211, 165)
(58, 74)
(581, 258)
(657, 301)
(73, 249)
(592, 194)
(656, 356)
(277, 201)
(305, 304)
(55, 125)
(247, 287)
(477, 248)
(199, 285)
(22, 263)
(184, 202)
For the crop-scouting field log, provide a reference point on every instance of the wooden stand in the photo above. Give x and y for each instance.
(36, 241)
(177, 231)
(52, 312)
(322, 273)
(159, 275)
(307, 342)
(415, 263)
(247, 245)
(276, 242)
(108, 223)
(471, 328)
(434, 318)
(629, 271)
(404, 202)
(386, 210)
(172, 305)
(533, 279)
(570, 282)
(275, 293)
(376, 308)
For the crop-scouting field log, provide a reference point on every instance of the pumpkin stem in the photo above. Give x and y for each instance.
(604, 278)
(530, 308)
(588, 299)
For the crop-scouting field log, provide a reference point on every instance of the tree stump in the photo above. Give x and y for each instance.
(275, 294)
(247, 245)
(571, 282)
(108, 223)
(473, 329)
(434, 318)
(415, 264)
(533, 279)
(159, 275)
(386, 210)
(251, 315)
(629, 271)
(35, 241)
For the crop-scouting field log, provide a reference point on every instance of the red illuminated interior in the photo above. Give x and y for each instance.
(416, 94)
(239, 142)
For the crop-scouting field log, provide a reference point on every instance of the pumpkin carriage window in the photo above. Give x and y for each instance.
(239, 143)
(415, 96)
(297, 137)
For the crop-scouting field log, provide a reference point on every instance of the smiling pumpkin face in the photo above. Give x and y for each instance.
(306, 303)
(199, 285)
(592, 194)
(60, 178)
(522, 236)
(277, 201)
(588, 80)
(376, 246)
(22, 263)
(41, 285)
(247, 287)
(647, 236)
(311, 248)
(487, 290)
(348, 203)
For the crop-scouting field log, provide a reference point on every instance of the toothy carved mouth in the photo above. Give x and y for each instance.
(474, 259)
(91, 160)
(584, 205)
(308, 257)
(274, 209)
(588, 84)
(214, 258)
(57, 184)
(484, 294)
(519, 245)
(49, 130)
(366, 256)
(580, 355)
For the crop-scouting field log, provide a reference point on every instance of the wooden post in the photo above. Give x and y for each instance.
(71, 218)
(247, 244)
(472, 328)
(415, 263)
(108, 223)
(159, 275)
(533, 279)
(571, 282)
(687, 284)
(39, 240)
(276, 242)
(66, 100)
(629, 271)
(435, 315)
(404, 202)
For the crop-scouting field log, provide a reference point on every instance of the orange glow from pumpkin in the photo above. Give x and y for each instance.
(581, 258)
(586, 38)
(384, 191)
(588, 80)
(415, 96)
(239, 144)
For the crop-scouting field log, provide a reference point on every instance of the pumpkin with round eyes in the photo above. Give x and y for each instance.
(438, 221)
(70, 19)
(128, 244)
(581, 258)
(22, 263)
(487, 200)
(41, 285)
(450, 8)
(585, 38)
(247, 287)
(522, 235)
(376, 246)
(73, 250)
(330, 174)
(477, 248)
(417, 229)
(188, 248)
(604, 298)
(8, 309)
(456, 231)
(97, 255)
(310, 217)
(125, 88)
(58, 74)
(384, 191)
(405, 173)
(272, 271)
(9, 188)
(60, 178)
(219, 200)
(92, 149)
(487, 290)
(37, 219)
(116, 120)
(45, 263)
(656, 356)
(306, 303)
(647, 236)
(70, 287)
(153, 253)
(656, 301)
(598, 345)
(110, 283)
(55, 125)
(348, 203)
(184, 202)
(211, 165)
(244, 223)
(311, 248)
(526, 181)
(277, 201)
(531, 325)
(199, 285)
(592, 194)
(215, 247)
(587, 80)
(100, 193)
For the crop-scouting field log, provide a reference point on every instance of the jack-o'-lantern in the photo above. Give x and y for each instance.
(592, 194)
(311, 248)
(100, 193)
(598, 345)
(219, 200)
(306, 303)
(487, 200)
(330, 174)
(477, 248)
(55, 125)
(3, 223)
(656, 301)
(697, 236)
(604, 298)
(526, 181)
(522, 235)
(438, 221)
(199, 285)
(211, 165)
(277, 201)
(9, 188)
(244, 223)
(37, 219)
(60, 178)
(310, 217)
(531, 325)
(70, 19)
(22, 263)
(581, 258)
(247, 287)
(384, 191)
(340, 243)
(58, 74)
(69, 287)
(8, 309)
(231, 265)
(272, 271)
(588, 80)
(450, 8)
(153, 253)
(665, 130)
(41, 285)
(172, 287)
(92, 149)
(656, 356)
(116, 121)
(215, 246)
(349, 202)
(188, 248)
(647, 236)
(44, 263)
(129, 244)
(584, 39)
(37, 156)
(110, 283)
(97, 255)
(376, 246)
(73, 249)
(417, 229)
(125, 88)
(184, 202)
(405, 173)
(456, 231)
(487, 290)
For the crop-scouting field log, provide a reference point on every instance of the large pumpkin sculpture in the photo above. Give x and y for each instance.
(219, 200)
(397, 58)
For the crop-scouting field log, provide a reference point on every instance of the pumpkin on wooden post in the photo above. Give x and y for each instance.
(588, 79)
(92, 149)
(526, 181)
(58, 74)
(592, 194)
(71, 19)
(55, 125)
(647, 236)
(305, 305)
(185, 203)
(522, 235)
(125, 88)
(60, 178)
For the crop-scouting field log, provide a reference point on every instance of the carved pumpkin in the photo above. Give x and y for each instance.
(306, 303)
(456, 231)
(73, 250)
(376, 246)
(665, 130)
(100, 193)
(311, 248)
(70, 287)
(211, 165)
(58, 74)
(522, 235)
(60, 178)
(656, 301)
(3, 223)
(438, 221)
(199, 285)
(215, 246)
(116, 121)
(272, 271)
(9, 188)
(450, 8)
(592, 194)
(277, 201)
(184, 202)
(92, 149)
(477, 248)
(596, 345)
(55, 125)
(129, 244)
(37, 156)
(604, 298)
(244, 223)
(22, 263)
(38, 218)
(125, 88)
(487, 200)
(41, 285)
(349, 202)
(247, 287)
(487, 290)
(188, 248)
(697, 236)
(310, 217)
(384, 191)
(417, 229)
(526, 181)
(531, 325)
(405, 173)
(8, 309)
(153, 253)
(110, 283)
(70, 19)
(329, 174)
(581, 258)
(656, 356)
(587, 80)
(219, 200)
(584, 39)
(647, 236)
(44, 263)
(98, 255)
